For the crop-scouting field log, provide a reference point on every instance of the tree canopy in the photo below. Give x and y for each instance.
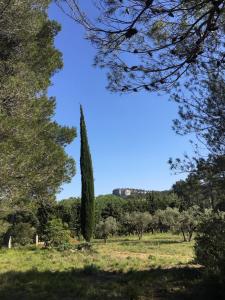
(33, 160)
(151, 44)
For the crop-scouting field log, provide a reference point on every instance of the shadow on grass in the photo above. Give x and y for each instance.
(136, 241)
(153, 242)
(92, 283)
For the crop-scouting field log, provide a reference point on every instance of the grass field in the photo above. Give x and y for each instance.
(160, 266)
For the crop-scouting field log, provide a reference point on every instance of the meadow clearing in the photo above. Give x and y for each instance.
(160, 266)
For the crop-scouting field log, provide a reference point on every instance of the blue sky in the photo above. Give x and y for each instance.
(130, 136)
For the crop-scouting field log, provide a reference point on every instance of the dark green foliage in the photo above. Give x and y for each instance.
(69, 211)
(205, 186)
(4, 228)
(132, 215)
(23, 216)
(221, 206)
(33, 162)
(33, 159)
(114, 206)
(202, 111)
(21, 224)
(161, 200)
(109, 206)
(211, 173)
(45, 213)
(190, 192)
(87, 180)
(57, 234)
(210, 244)
(22, 234)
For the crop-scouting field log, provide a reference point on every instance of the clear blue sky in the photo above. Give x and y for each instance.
(130, 136)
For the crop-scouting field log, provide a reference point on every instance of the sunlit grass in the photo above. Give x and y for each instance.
(118, 254)
(156, 267)
(161, 250)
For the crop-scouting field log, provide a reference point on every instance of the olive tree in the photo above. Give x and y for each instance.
(107, 227)
(188, 222)
(139, 222)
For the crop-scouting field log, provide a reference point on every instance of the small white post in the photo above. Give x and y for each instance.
(10, 242)
(36, 240)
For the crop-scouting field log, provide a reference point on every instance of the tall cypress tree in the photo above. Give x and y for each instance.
(87, 180)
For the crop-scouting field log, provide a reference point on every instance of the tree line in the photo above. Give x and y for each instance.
(157, 211)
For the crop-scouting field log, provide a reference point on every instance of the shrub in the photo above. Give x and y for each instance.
(210, 244)
(22, 234)
(57, 235)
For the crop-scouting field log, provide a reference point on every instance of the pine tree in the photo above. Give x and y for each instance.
(33, 160)
(87, 194)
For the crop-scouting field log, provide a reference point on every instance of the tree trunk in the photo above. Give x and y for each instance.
(190, 236)
(185, 240)
(139, 235)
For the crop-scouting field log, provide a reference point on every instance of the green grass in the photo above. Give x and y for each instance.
(158, 267)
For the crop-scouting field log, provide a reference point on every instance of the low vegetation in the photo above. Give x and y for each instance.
(160, 266)
(123, 268)
(210, 245)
